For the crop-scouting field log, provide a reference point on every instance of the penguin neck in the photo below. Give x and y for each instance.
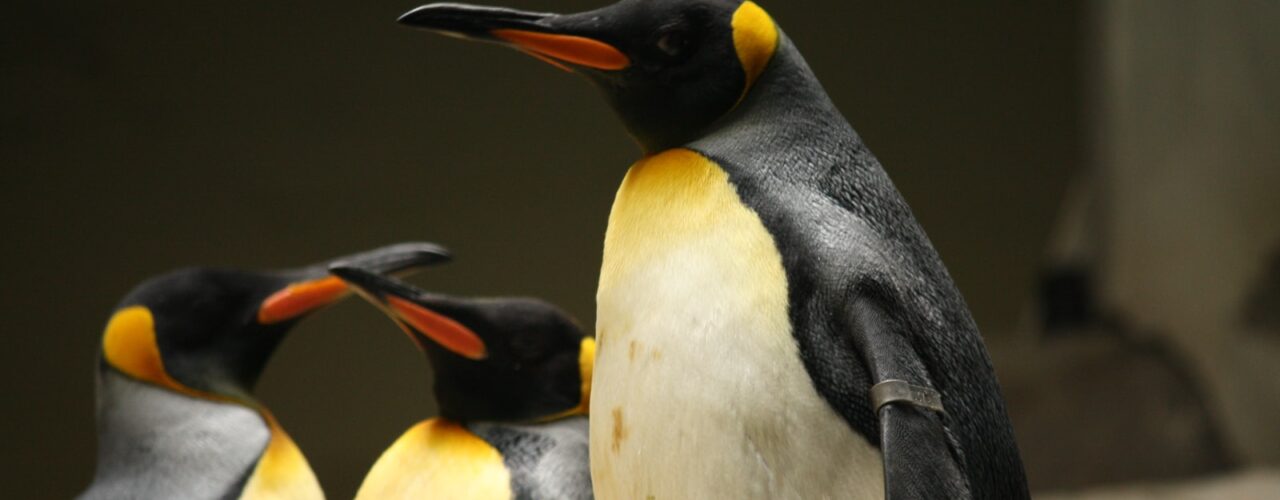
(223, 392)
(122, 395)
(563, 422)
(787, 107)
(512, 403)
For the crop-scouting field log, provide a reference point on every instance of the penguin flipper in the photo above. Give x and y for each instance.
(919, 459)
(918, 463)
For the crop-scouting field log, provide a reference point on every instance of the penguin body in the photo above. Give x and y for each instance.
(179, 358)
(844, 231)
(804, 338)
(512, 379)
(838, 230)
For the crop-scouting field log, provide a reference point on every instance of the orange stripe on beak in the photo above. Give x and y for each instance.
(572, 49)
(300, 298)
(548, 60)
(444, 331)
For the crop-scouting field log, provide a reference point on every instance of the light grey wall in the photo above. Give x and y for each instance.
(1189, 150)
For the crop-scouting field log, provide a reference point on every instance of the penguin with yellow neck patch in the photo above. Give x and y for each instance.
(773, 322)
(179, 360)
(512, 381)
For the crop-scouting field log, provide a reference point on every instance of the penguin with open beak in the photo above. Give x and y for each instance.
(512, 380)
(177, 366)
(773, 322)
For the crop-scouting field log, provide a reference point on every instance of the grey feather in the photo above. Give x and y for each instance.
(546, 461)
(155, 443)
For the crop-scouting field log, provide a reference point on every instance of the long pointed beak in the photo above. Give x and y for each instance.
(407, 306)
(537, 33)
(314, 288)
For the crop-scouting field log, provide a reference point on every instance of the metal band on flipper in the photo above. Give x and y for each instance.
(901, 391)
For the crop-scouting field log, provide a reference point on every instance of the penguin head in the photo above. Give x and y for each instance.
(209, 332)
(493, 359)
(670, 68)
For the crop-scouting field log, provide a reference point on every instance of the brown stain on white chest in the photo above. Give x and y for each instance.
(619, 430)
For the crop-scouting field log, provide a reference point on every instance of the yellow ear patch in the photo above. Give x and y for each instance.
(129, 344)
(755, 38)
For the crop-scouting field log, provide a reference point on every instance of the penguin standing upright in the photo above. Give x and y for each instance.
(773, 323)
(512, 381)
(179, 359)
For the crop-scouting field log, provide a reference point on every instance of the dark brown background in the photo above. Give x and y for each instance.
(143, 136)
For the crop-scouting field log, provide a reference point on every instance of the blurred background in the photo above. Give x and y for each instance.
(1101, 178)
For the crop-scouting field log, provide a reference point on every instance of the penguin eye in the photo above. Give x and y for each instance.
(673, 43)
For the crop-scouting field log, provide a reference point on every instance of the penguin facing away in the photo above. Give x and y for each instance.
(178, 363)
(512, 379)
(773, 322)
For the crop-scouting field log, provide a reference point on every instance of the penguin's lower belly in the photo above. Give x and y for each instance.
(699, 390)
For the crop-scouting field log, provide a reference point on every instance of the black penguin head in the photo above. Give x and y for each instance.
(670, 68)
(506, 359)
(210, 332)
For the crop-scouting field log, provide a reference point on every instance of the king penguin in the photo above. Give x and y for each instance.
(512, 382)
(177, 366)
(773, 322)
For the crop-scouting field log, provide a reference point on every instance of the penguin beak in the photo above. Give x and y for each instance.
(314, 288)
(407, 306)
(551, 38)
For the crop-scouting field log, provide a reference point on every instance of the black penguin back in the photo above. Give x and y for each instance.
(843, 231)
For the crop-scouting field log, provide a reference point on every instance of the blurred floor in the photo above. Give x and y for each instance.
(1102, 408)
(1261, 484)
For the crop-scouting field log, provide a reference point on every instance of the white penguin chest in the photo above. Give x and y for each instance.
(699, 390)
